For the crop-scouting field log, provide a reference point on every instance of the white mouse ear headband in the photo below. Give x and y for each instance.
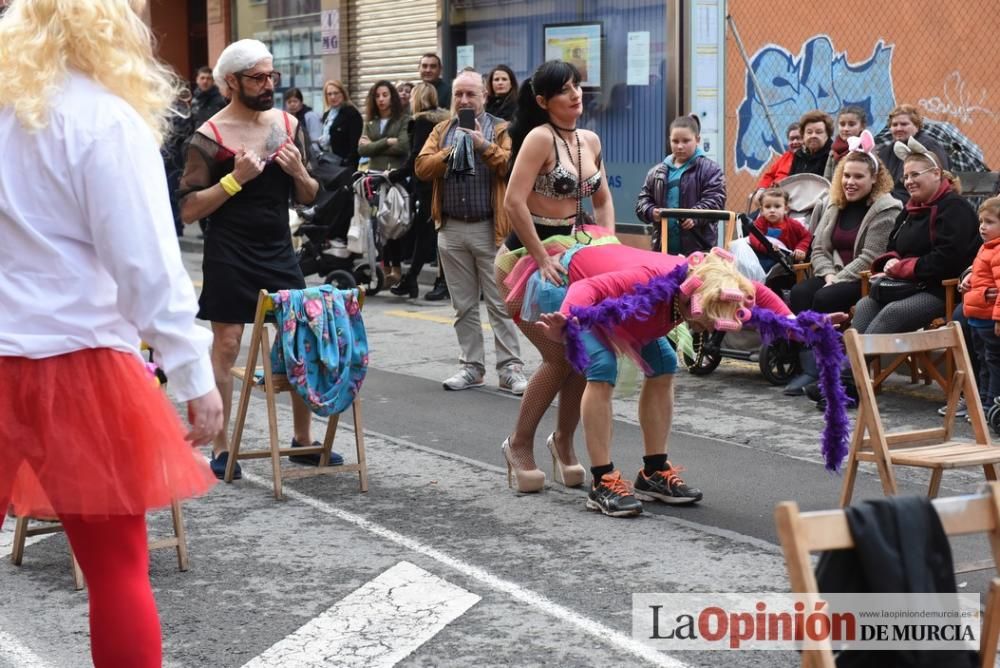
(911, 147)
(864, 144)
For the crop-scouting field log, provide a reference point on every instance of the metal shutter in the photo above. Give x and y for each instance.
(386, 39)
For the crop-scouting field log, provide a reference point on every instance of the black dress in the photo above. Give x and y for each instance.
(248, 243)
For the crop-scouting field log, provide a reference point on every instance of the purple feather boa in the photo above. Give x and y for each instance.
(640, 304)
(815, 330)
(810, 327)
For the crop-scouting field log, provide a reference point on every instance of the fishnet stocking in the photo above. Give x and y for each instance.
(554, 376)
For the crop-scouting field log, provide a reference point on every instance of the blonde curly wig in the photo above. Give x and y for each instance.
(106, 40)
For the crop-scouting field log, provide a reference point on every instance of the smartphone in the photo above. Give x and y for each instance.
(467, 119)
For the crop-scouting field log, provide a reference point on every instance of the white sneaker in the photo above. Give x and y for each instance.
(962, 410)
(467, 376)
(512, 380)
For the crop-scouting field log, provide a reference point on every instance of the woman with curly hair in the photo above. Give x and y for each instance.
(88, 436)
(851, 230)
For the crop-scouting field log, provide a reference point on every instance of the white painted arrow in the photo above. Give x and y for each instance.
(376, 626)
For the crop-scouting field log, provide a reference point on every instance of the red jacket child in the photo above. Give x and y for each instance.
(793, 234)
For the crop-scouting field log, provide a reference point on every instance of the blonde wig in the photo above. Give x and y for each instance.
(717, 273)
(882, 185)
(238, 56)
(106, 40)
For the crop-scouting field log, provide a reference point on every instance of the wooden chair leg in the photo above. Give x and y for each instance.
(20, 535)
(272, 414)
(359, 442)
(241, 418)
(180, 532)
(935, 485)
(990, 471)
(851, 467)
(991, 626)
(331, 432)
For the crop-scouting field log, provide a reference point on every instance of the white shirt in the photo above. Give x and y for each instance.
(88, 252)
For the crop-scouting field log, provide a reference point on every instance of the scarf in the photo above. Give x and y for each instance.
(839, 149)
(915, 207)
(674, 174)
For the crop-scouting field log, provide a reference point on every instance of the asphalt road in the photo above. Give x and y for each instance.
(551, 582)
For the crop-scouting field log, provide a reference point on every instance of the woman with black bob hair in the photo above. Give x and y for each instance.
(501, 92)
(554, 167)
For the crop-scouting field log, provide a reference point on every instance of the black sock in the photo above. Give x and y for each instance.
(653, 463)
(598, 471)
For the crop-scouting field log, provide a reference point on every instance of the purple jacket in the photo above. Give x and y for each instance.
(703, 186)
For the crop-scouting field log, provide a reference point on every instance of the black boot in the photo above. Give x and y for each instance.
(812, 391)
(809, 374)
(439, 292)
(407, 287)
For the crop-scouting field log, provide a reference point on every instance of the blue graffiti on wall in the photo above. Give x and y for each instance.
(819, 78)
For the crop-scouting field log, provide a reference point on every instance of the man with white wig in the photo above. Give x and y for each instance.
(244, 167)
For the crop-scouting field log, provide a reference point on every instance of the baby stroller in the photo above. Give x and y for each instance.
(325, 250)
(779, 361)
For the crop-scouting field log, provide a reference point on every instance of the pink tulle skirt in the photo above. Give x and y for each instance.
(90, 433)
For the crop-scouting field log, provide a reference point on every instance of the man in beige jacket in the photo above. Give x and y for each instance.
(469, 217)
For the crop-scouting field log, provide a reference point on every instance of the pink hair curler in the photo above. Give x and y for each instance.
(696, 258)
(723, 253)
(731, 295)
(749, 301)
(690, 284)
(696, 310)
(743, 314)
(727, 325)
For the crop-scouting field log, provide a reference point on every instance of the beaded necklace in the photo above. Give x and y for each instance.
(579, 169)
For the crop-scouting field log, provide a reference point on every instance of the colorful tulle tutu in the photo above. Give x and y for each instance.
(90, 433)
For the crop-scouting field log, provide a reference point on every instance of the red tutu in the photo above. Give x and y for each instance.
(89, 433)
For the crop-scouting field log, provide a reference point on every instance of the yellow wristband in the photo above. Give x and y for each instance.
(230, 185)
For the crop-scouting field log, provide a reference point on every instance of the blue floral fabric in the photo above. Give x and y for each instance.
(323, 347)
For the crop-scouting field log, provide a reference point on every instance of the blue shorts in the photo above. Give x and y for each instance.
(659, 355)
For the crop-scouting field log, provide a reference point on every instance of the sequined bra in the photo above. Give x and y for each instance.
(560, 183)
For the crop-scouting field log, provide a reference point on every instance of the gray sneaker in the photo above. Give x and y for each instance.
(961, 411)
(512, 380)
(467, 376)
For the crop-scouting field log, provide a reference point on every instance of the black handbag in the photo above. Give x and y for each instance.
(886, 289)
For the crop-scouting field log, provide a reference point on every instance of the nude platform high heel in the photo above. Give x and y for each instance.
(570, 475)
(527, 480)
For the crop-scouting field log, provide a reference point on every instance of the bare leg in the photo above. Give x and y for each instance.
(597, 415)
(656, 412)
(302, 419)
(225, 350)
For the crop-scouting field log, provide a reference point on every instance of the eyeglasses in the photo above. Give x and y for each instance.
(261, 78)
(912, 176)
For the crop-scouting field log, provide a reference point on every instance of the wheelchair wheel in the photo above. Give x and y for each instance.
(779, 362)
(704, 361)
(340, 279)
(362, 276)
(993, 418)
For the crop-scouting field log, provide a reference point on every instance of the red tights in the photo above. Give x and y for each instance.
(114, 556)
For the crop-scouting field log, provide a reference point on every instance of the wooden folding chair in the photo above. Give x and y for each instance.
(260, 347)
(934, 449)
(927, 372)
(802, 533)
(25, 527)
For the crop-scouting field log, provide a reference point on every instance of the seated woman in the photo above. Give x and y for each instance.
(660, 291)
(851, 121)
(852, 229)
(781, 166)
(935, 237)
(816, 128)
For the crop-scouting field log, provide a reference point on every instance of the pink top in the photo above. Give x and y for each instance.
(599, 272)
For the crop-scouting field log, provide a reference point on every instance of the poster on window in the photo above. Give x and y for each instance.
(579, 44)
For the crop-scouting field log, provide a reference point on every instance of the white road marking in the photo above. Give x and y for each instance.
(599, 631)
(14, 654)
(376, 626)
